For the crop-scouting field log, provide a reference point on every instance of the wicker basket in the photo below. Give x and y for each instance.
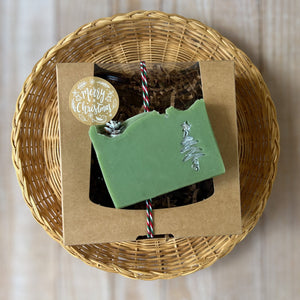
(156, 37)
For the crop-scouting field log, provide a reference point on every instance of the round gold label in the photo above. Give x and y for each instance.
(93, 101)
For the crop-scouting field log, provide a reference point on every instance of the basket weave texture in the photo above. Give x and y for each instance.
(155, 37)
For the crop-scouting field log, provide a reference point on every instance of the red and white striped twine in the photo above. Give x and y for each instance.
(150, 230)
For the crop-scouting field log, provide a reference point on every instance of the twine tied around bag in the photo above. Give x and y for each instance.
(150, 230)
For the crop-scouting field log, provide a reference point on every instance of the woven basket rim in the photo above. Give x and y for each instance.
(96, 25)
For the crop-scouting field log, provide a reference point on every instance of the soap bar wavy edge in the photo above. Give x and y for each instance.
(138, 118)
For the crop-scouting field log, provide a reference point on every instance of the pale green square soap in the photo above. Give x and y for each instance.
(157, 153)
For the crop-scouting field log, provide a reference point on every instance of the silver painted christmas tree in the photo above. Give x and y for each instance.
(191, 151)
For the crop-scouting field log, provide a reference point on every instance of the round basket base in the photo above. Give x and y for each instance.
(155, 37)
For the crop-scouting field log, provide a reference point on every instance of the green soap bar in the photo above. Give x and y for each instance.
(157, 153)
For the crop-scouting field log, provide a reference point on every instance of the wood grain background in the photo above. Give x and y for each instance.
(265, 265)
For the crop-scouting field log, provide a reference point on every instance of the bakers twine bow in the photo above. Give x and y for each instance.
(150, 231)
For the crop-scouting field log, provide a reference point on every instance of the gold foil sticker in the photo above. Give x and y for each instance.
(93, 101)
